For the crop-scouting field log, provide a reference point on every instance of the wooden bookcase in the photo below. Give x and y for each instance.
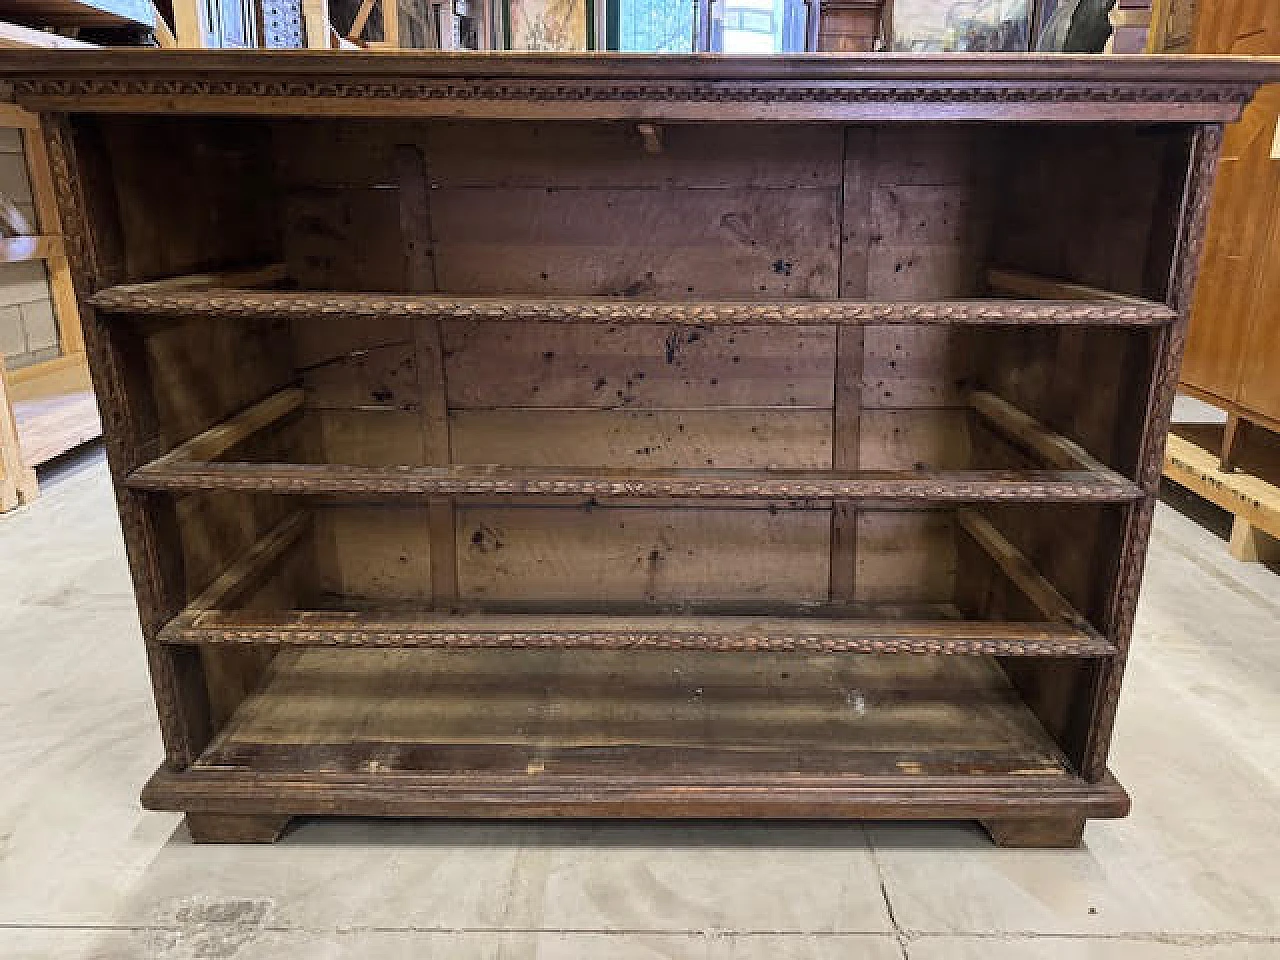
(635, 436)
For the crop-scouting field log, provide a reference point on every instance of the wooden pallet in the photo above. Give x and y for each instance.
(1248, 487)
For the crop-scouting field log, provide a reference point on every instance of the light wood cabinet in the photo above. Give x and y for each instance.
(1233, 349)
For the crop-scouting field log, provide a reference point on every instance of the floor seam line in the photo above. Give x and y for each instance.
(899, 934)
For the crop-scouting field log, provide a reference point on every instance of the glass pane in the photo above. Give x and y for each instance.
(758, 26)
(656, 26)
(972, 25)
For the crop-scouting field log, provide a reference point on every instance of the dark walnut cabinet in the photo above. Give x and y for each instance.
(635, 437)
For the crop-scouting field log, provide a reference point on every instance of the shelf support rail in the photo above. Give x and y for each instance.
(211, 618)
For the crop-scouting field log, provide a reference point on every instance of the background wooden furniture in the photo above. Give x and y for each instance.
(849, 26)
(1233, 349)
(1249, 489)
(48, 405)
(643, 437)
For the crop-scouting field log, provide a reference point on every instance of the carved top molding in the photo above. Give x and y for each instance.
(141, 300)
(1198, 89)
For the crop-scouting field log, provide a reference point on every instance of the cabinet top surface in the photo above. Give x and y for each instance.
(612, 86)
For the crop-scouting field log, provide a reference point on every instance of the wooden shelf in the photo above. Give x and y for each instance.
(175, 298)
(1024, 486)
(215, 618)
(860, 735)
(636, 632)
(1072, 474)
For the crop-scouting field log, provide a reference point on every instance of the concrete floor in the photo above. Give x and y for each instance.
(1194, 872)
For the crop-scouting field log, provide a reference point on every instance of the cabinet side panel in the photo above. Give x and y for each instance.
(195, 193)
(1205, 153)
(1079, 203)
(82, 175)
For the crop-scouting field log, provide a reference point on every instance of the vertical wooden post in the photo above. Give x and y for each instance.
(1233, 435)
(17, 481)
(315, 24)
(846, 421)
(61, 288)
(420, 277)
(846, 434)
(188, 24)
(391, 22)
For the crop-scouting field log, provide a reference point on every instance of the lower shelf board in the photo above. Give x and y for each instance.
(604, 733)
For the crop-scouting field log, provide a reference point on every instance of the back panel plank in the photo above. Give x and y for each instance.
(645, 365)
(796, 439)
(373, 554)
(637, 242)
(637, 554)
(470, 153)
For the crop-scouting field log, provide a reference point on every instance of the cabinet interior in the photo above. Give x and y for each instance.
(1007, 451)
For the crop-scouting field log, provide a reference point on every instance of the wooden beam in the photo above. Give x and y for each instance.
(1052, 448)
(846, 420)
(197, 283)
(316, 24)
(361, 18)
(391, 22)
(517, 794)
(24, 249)
(1019, 284)
(1013, 563)
(189, 27)
(14, 116)
(251, 570)
(1242, 494)
(17, 481)
(221, 437)
(66, 306)
(437, 450)
(1232, 437)
(47, 368)
(164, 36)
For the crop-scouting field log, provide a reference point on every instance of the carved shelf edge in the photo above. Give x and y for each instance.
(213, 618)
(1048, 486)
(149, 302)
(588, 632)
